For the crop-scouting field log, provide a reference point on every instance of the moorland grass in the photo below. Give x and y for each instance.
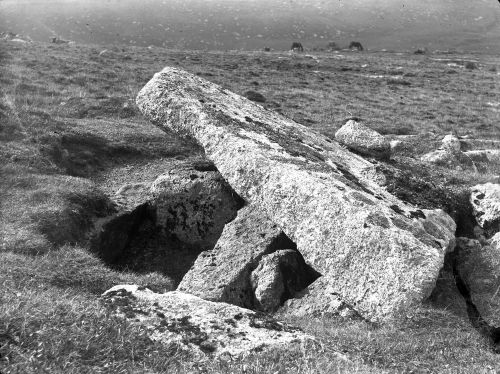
(71, 135)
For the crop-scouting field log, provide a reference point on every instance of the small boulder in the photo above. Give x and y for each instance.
(278, 277)
(478, 267)
(363, 140)
(255, 96)
(199, 326)
(485, 201)
(450, 155)
(451, 143)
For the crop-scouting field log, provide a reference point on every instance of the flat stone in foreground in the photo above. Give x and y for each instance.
(201, 326)
(376, 253)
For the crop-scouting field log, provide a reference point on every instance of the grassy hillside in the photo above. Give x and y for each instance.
(71, 135)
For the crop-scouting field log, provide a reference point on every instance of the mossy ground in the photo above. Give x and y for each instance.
(71, 135)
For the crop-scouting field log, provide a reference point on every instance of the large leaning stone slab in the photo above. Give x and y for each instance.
(479, 268)
(223, 273)
(200, 326)
(380, 256)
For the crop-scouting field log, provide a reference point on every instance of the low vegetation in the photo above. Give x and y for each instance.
(71, 135)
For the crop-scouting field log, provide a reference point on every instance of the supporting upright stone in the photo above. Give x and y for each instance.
(223, 273)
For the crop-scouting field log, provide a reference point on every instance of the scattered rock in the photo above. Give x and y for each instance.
(364, 140)
(255, 96)
(485, 201)
(200, 326)
(279, 276)
(450, 155)
(490, 156)
(223, 274)
(442, 158)
(479, 268)
(378, 254)
(471, 65)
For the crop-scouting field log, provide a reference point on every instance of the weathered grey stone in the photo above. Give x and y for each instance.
(443, 158)
(479, 268)
(378, 254)
(485, 201)
(490, 156)
(364, 140)
(194, 205)
(200, 326)
(278, 277)
(454, 160)
(451, 144)
(223, 273)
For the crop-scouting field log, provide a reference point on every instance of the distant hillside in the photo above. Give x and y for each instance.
(254, 24)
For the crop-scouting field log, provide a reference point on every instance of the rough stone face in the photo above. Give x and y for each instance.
(278, 277)
(201, 326)
(194, 205)
(364, 140)
(378, 254)
(320, 299)
(485, 201)
(449, 155)
(223, 273)
(479, 267)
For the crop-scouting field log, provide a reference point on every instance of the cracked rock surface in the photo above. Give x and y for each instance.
(376, 253)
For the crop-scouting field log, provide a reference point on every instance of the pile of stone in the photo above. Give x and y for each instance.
(464, 153)
(298, 223)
